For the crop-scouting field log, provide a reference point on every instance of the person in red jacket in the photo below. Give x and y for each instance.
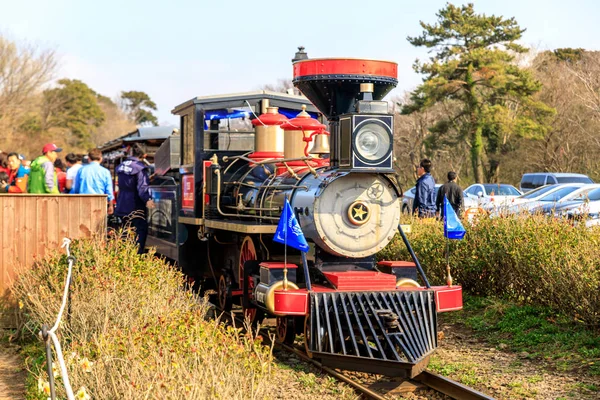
(61, 174)
(17, 176)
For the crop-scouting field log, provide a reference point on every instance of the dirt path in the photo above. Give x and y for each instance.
(12, 373)
(506, 375)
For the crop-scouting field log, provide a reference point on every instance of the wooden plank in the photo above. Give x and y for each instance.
(54, 241)
(8, 221)
(86, 218)
(19, 231)
(99, 216)
(63, 210)
(41, 226)
(31, 218)
(74, 216)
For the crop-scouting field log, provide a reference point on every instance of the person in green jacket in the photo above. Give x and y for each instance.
(42, 178)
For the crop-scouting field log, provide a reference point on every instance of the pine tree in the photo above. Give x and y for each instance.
(490, 98)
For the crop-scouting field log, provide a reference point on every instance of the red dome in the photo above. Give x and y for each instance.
(270, 119)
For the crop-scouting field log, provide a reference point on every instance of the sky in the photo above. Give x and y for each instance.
(181, 49)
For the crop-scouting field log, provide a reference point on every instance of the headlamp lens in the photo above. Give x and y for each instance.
(372, 141)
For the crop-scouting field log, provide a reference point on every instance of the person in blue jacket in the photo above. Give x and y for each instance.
(424, 202)
(134, 197)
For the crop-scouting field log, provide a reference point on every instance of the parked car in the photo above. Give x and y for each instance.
(409, 197)
(535, 180)
(578, 202)
(489, 194)
(555, 194)
(533, 195)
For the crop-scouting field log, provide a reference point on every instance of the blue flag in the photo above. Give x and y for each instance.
(288, 231)
(453, 229)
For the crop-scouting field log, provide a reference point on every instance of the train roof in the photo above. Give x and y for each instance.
(276, 99)
(142, 134)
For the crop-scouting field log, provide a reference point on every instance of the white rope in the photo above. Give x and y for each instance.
(51, 332)
(252, 111)
(66, 243)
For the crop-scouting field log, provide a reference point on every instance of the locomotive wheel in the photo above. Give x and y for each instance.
(224, 293)
(248, 253)
(255, 316)
(307, 336)
(286, 332)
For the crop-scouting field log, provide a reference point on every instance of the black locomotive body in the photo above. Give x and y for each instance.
(242, 156)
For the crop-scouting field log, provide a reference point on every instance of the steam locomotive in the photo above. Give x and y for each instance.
(330, 155)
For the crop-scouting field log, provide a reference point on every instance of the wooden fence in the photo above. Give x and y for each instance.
(33, 225)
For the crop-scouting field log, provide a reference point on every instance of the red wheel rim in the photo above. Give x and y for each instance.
(281, 328)
(247, 253)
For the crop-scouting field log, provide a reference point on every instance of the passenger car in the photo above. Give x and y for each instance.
(409, 196)
(535, 180)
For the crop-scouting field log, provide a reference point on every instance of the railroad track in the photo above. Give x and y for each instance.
(428, 379)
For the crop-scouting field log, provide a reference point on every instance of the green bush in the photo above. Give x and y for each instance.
(133, 332)
(531, 259)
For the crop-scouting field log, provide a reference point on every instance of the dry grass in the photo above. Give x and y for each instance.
(134, 333)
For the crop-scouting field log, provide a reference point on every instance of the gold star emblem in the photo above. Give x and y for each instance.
(359, 212)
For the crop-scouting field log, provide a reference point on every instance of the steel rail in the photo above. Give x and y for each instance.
(439, 383)
(368, 393)
(449, 387)
(339, 376)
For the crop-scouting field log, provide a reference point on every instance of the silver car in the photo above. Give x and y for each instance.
(409, 197)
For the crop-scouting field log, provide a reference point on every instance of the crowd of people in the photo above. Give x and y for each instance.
(83, 174)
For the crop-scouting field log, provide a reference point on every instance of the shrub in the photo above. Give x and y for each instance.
(531, 259)
(133, 332)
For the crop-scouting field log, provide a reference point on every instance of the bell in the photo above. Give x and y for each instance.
(321, 144)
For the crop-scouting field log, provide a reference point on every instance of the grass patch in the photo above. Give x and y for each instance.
(135, 332)
(466, 373)
(534, 332)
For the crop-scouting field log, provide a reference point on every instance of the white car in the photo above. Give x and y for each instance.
(409, 196)
(489, 195)
(583, 201)
(553, 195)
(532, 195)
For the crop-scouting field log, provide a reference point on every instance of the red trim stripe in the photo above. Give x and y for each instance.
(344, 66)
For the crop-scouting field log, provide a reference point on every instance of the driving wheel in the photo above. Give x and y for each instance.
(286, 332)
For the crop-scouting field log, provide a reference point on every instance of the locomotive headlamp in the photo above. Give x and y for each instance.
(372, 141)
(365, 143)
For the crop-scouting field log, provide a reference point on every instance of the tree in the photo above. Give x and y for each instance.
(23, 70)
(282, 86)
(138, 105)
(489, 98)
(116, 124)
(73, 106)
(570, 85)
